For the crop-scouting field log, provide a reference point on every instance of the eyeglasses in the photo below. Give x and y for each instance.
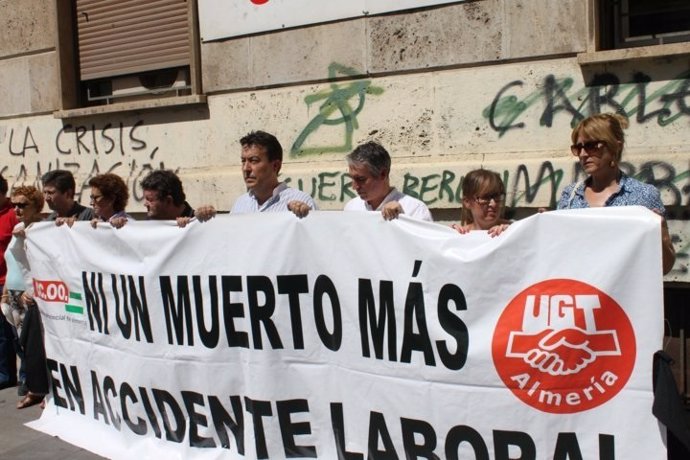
(484, 200)
(19, 205)
(95, 198)
(589, 146)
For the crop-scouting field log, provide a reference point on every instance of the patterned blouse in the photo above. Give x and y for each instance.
(631, 193)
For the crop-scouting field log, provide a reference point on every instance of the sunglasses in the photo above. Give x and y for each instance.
(20, 205)
(589, 146)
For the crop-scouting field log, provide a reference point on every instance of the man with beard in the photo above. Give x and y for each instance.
(164, 197)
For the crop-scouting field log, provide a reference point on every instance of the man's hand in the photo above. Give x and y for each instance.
(299, 208)
(204, 213)
(391, 210)
(65, 220)
(183, 221)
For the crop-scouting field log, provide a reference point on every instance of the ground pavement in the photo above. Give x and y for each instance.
(20, 442)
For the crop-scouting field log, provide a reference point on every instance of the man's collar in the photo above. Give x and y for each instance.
(386, 199)
(276, 191)
(74, 210)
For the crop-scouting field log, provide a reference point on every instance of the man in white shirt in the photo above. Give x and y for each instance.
(369, 166)
(262, 158)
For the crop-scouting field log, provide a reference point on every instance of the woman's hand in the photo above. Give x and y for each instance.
(462, 229)
(118, 222)
(497, 230)
(668, 253)
(26, 299)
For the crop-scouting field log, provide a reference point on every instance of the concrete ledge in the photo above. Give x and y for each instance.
(626, 54)
(151, 104)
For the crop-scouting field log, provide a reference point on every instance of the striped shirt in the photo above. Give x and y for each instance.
(278, 202)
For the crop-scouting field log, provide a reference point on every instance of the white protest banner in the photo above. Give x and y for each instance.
(341, 335)
(229, 18)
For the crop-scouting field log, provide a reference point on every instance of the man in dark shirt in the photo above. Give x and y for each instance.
(164, 197)
(58, 190)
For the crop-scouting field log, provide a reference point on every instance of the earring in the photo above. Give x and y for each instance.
(612, 164)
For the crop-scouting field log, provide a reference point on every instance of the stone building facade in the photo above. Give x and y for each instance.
(446, 88)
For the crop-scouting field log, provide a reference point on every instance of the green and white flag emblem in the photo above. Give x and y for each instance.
(75, 304)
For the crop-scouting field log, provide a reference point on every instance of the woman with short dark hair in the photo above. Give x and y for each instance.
(109, 196)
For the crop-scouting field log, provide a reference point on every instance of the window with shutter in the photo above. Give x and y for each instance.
(126, 50)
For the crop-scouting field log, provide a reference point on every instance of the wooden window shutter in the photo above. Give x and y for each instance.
(119, 37)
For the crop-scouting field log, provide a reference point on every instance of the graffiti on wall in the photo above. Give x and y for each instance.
(341, 105)
(524, 185)
(444, 188)
(84, 150)
(605, 92)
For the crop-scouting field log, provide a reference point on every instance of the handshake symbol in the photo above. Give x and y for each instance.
(564, 351)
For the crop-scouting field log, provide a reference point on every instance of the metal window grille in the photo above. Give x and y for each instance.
(650, 22)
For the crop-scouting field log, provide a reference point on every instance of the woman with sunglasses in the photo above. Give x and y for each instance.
(33, 378)
(598, 143)
(483, 195)
(109, 196)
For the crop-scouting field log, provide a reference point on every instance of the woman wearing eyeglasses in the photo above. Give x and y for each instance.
(598, 143)
(18, 305)
(109, 197)
(483, 196)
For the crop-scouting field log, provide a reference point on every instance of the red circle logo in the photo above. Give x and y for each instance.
(259, 2)
(563, 346)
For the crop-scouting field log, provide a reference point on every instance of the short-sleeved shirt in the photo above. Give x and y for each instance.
(278, 202)
(631, 193)
(412, 207)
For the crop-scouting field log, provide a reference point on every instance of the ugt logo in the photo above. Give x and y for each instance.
(563, 346)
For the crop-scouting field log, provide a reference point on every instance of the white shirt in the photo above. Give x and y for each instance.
(412, 207)
(278, 202)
